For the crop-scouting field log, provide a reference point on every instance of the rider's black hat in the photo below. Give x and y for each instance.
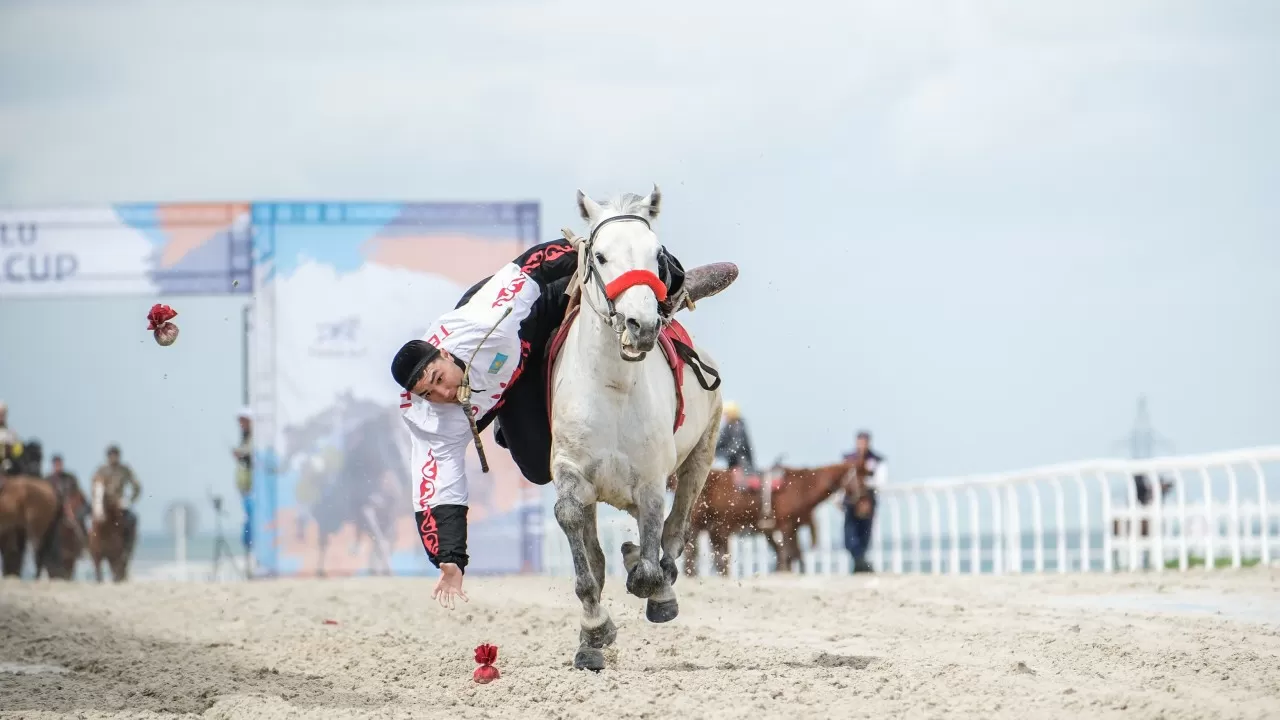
(412, 358)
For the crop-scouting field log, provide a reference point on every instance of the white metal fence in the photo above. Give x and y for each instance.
(1221, 509)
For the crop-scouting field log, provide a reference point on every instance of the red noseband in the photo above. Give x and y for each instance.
(632, 278)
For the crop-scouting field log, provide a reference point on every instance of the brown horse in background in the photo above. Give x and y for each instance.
(723, 510)
(108, 538)
(29, 511)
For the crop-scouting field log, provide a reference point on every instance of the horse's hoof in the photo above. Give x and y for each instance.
(661, 611)
(644, 579)
(589, 658)
(599, 637)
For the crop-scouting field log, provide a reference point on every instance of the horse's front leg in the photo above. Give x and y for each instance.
(647, 578)
(574, 504)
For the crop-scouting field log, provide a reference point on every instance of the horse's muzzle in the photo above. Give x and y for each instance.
(639, 338)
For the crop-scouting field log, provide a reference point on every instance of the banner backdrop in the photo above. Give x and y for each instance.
(340, 286)
(140, 249)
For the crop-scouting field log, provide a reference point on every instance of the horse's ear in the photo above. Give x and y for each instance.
(653, 203)
(589, 209)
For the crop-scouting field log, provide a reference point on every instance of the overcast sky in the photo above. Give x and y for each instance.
(979, 229)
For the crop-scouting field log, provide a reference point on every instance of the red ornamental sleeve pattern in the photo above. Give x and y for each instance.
(429, 531)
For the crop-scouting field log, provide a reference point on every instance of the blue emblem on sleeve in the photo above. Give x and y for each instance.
(498, 361)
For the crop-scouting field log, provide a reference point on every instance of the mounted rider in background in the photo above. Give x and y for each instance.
(10, 445)
(115, 476)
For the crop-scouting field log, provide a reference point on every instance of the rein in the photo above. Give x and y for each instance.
(464, 393)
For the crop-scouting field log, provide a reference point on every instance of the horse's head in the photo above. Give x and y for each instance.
(102, 506)
(618, 264)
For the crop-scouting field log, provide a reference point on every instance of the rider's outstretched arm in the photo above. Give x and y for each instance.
(438, 478)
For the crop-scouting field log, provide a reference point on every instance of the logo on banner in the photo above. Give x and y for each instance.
(23, 262)
(338, 339)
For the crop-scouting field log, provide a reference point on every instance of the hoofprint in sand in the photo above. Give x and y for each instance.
(1196, 645)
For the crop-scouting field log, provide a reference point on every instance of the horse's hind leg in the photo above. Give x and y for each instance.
(598, 630)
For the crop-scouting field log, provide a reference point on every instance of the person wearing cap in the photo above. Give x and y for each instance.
(508, 383)
(243, 453)
(10, 445)
(857, 530)
(115, 476)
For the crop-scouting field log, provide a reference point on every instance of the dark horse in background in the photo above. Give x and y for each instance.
(723, 510)
(32, 512)
(349, 459)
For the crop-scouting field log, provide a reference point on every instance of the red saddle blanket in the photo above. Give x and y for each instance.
(752, 483)
(674, 331)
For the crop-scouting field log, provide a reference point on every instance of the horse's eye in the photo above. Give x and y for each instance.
(600, 258)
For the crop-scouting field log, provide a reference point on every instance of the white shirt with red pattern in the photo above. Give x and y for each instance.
(440, 431)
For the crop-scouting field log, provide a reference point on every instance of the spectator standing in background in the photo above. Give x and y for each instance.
(860, 502)
(243, 454)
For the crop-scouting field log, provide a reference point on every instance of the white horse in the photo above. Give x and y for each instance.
(613, 411)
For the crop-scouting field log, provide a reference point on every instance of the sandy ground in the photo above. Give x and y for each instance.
(1201, 645)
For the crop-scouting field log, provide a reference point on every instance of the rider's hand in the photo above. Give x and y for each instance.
(449, 586)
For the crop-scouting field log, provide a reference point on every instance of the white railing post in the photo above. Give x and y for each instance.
(1157, 519)
(1060, 518)
(997, 530)
(935, 534)
(1265, 510)
(1014, 552)
(1234, 500)
(1108, 546)
(1086, 561)
(897, 536)
(913, 503)
(1182, 520)
(1037, 525)
(1211, 521)
(1233, 487)
(953, 517)
(975, 532)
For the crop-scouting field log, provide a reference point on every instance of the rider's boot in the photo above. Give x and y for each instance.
(700, 282)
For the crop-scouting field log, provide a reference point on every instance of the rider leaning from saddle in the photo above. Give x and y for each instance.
(507, 381)
(115, 475)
